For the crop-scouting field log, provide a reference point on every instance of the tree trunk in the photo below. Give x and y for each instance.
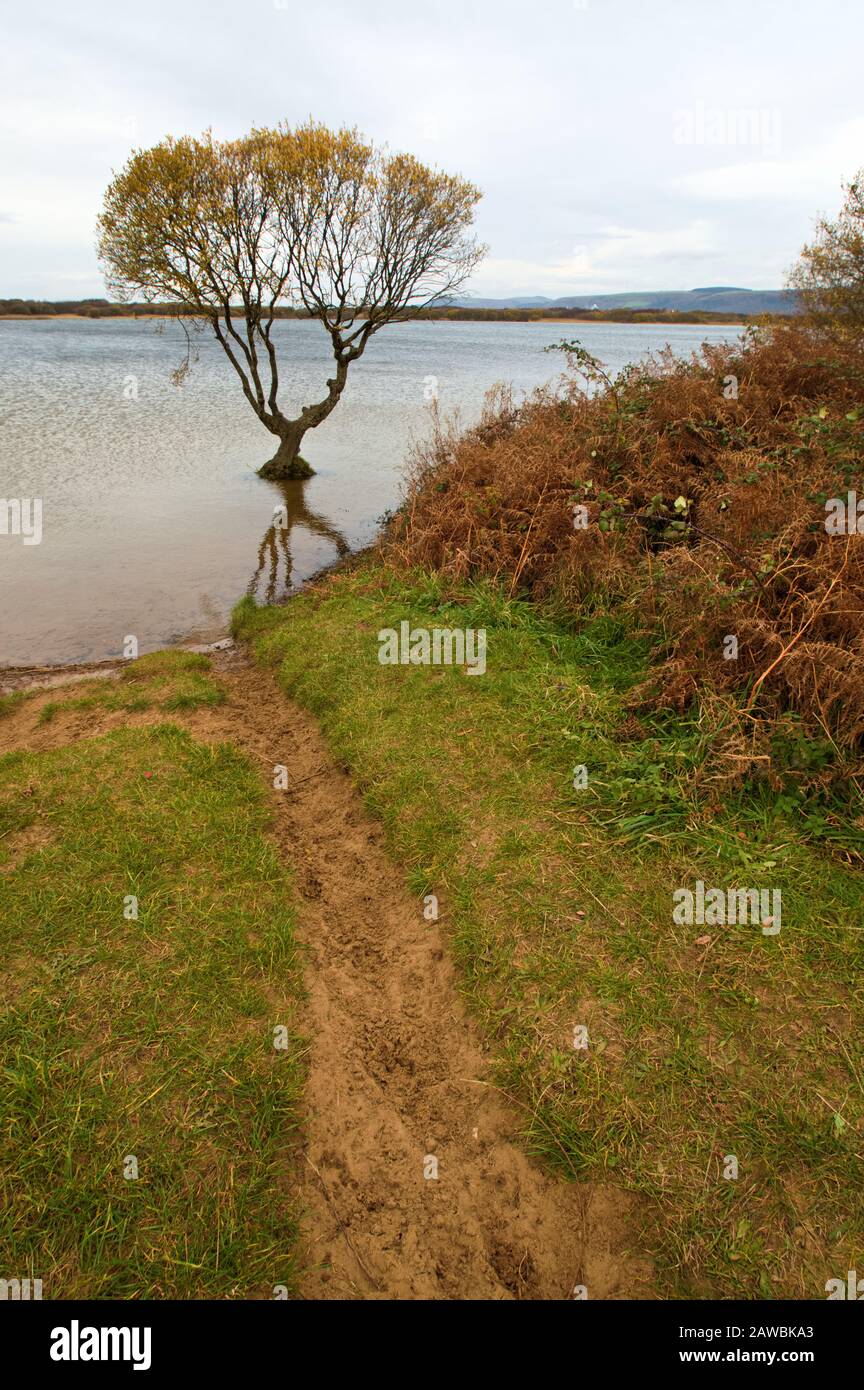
(286, 463)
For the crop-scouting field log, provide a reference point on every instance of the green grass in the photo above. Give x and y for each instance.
(150, 1038)
(12, 702)
(171, 681)
(559, 907)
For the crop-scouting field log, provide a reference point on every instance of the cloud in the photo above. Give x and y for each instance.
(595, 151)
(814, 174)
(621, 256)
(38, 124)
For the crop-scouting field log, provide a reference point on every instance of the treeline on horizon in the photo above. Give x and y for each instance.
(104, 308)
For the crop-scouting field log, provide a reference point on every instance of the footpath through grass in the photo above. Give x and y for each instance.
(147, 1120)
(711, 1049)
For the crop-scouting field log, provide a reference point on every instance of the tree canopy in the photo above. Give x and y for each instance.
(319, 219)
(830, 273)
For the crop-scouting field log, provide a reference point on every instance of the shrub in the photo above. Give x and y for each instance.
(704, 486)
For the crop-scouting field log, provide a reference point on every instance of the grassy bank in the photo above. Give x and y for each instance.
(147, 1118)
(704, 503)
(703, 1042)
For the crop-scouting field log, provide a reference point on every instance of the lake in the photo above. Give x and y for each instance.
(154, 521)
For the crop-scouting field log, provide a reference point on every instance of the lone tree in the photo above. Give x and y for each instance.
(309, 218)
(830, 273)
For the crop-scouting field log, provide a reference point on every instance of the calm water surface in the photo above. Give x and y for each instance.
(154, 522)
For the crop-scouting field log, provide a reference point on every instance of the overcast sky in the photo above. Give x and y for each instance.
(620, 144)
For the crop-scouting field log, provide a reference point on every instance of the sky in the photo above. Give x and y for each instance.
(620, 144)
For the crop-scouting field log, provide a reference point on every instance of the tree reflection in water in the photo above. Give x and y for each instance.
(272, 577)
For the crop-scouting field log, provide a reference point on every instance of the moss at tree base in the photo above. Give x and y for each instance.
(276, 470)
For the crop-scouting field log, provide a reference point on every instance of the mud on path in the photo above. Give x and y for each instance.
(396, 1069)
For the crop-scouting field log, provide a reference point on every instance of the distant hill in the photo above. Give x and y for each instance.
(721, 299)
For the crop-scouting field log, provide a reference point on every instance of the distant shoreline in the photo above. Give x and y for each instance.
(624, 317)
